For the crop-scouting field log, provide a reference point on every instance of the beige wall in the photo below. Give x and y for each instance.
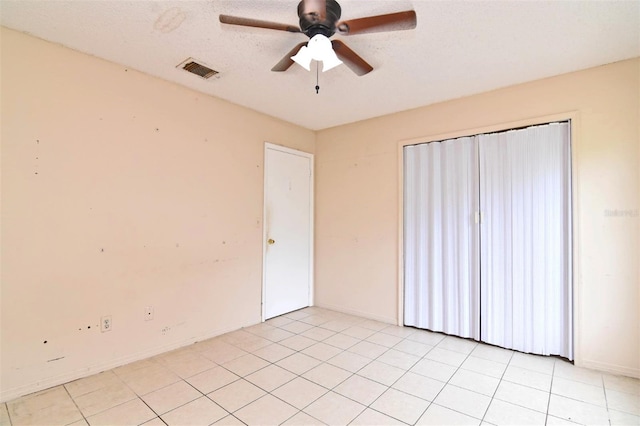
(357, 201)
(121, 191)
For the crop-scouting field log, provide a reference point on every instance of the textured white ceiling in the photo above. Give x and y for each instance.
(458, 48)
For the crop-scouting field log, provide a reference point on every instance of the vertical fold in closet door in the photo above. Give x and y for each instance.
(441, 237)
(526, 289)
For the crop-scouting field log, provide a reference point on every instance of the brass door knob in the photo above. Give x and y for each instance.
(271, 241)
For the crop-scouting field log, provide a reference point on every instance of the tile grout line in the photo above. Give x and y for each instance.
(606, 400)
(497, 387)
(407, 370)
(470, 354)
(140, 397)
(9, 414)
(449, 380)
(343, 350)
(422, 358)
(203, 395)
(117, 405)
(388, 387)
(296, 374)
(231, 413)
(145, 402)
(74, 403)
(301, 410)
(580, 400)
(401, 376)
(553, 374)
(152, 410)
(328, 390)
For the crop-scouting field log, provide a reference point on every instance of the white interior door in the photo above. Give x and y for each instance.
(288, 231)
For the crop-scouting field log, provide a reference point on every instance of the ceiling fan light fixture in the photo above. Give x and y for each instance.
(330, 61)
(318, 48)
(303, 58)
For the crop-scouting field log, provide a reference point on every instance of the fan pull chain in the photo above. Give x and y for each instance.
(317, 77)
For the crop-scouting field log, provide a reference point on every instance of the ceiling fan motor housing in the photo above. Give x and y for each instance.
(314, 22)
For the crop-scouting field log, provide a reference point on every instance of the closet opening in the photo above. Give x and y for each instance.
(487, 238)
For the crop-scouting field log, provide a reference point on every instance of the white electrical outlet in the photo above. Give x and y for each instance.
(148, 313)
(105, 323)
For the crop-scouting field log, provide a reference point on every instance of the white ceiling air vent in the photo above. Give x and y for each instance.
(197, 68)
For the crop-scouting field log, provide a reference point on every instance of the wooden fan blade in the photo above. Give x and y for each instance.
(351, 58)
(256, 23)
(391, 22)
(286, 62)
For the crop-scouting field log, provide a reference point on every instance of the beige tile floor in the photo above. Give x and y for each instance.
(316, 366)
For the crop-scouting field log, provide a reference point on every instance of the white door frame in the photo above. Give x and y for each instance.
(274, 147)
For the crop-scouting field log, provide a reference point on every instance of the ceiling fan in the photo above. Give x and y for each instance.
(319, 20)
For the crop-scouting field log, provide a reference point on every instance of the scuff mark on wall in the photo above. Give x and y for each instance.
(37, 155)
